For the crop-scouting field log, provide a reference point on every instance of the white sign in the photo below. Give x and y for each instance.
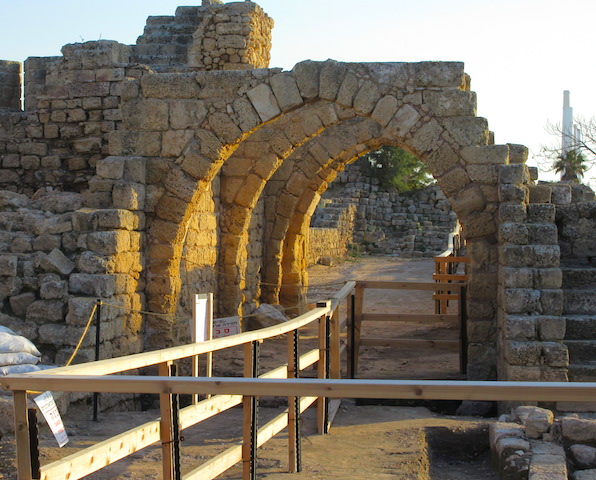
(224, 327)
(200, 329)
(48, 408)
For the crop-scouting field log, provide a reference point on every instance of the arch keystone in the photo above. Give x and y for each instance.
(385, 109)
(307, 78)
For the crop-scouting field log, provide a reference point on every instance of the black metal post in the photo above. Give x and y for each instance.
(352, 338)
(298, 439)
(327, 370)
(254, 421)
(463, 330)
(97, 345)
(34, 443)
(176, 437)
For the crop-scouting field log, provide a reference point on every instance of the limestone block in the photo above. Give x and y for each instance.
(540, 194)
(441, 160)
(500, 430)
(486, 154)
(224, 127)
(513, 277)
(450, 103)
(486, 174)
(385, 109)
(181, 185)
(307, 78)
(286, 91)
(115, 218)
(546, 256)
(9, 286)
(426, 137)
(19, 304)
(93, 54)
(555, 354)
(520, 327)
(551, 328)
(53, 288)
(521, 300)
(541, 213)
(585, 474)
(481, 331)
(93, 285)
(584, 456)
(264, 102)
(247, 196)
(453, 181)
(128, 196)
(561, 194)
(44, 311)
(547, 278)
(146, 114)
(185, 114)
(171, 208)
(91, 262)
(175, 141)
(57, 262)
(514, 233)
(467, 131)
(436, 74)
(512, 213)
(521, 373)
(551, 301)
(403, 121)
(170, 85)
(523, 353)
(480, 224)
(328, 114)
(538, 421)
(515, 174)
(517, 153)
(330, 79)
(543, 233)
(111, 167)
(576, 430)
(246, 116)
(513, 193)
(348, 89)
(367, 97)
(109, 242)
(8, 265)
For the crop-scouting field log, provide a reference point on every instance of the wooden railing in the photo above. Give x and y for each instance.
(106, 375)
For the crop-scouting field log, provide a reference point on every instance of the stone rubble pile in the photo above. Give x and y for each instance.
(531, 443)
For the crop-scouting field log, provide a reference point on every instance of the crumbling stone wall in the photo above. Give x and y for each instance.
(10, 84)
(174, 180)
(332, 241)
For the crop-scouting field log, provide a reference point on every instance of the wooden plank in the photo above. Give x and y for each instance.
(358, 311)
(407, 317)
(140, 360)
(425, 389)
(247, 410)
(21, 427)
(321, 372)
(217, 465)
(409, 343)
(450, 277)
(436, 286)
(452, 259)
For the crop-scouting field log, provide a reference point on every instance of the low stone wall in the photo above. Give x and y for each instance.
(415, 224)
(332, 242)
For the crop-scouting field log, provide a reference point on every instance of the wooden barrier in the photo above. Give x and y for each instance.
(446, 272)
(357, 316)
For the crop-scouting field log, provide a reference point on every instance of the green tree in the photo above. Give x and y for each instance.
(398, 169)
(571, 166)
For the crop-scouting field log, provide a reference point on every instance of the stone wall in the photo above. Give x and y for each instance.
(410, 225)
(10, 85)
(332, 241)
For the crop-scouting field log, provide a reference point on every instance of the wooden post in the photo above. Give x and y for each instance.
(165, 426)
(463, 329)
(350, 324)
(322, 369)
(250, 405)
(358, 309)
(335, 351)
(294, 454)
(197, 336)
(21, 425)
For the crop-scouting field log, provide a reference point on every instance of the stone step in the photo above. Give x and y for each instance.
(581, 351)
(580, 327)
(574, 277)
(582, 372)
(579, 301)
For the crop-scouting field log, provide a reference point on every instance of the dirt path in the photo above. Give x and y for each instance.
(373, 442)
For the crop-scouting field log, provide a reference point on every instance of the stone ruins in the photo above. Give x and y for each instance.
(142, 174)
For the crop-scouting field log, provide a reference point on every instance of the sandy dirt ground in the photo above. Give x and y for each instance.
(375, 442)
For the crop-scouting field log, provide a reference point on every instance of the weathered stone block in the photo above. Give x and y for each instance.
(108, 243)
(520, 327)
(367, 97)
(94, 285)
(385, 109)
(551, 328)
(128, 196)
(19, 303)
(576, 430)
(551, 301)
(521, 300)
(523, 353)
(44, 311)
(330, 79)
(514, 174)
(286, 91)
(57, 262)
(514, 193)
(512, 277)
(514, 233)
(307, 78)
(425, 138)
(185, 114)
(467, 131)
(540, 194)
(555, 354)
(8, 265)
(517, 153)
(264, 102)
(111, 167)
(170, 85)
(541, 213)
(450, 103)
(512, 213)
(486, 154)
(146, 114)
(52, 287)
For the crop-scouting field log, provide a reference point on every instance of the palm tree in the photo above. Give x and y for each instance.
(571, 166)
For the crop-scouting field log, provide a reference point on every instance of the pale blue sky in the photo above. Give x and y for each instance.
(520, 54)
